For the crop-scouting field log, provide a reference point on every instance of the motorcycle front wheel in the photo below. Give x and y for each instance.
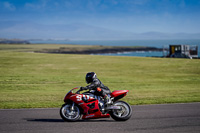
(122, 114)
(68, 113)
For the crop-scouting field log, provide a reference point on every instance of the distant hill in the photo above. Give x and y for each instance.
(13, 41)
(79, 31)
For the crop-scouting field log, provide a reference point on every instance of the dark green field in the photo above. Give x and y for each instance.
(35, 80)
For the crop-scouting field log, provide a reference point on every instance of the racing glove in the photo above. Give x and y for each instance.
(83, 88)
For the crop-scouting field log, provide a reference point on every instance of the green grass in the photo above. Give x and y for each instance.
(34, 80)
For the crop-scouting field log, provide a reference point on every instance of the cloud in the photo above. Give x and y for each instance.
(93, 4)
(138, 2)
(182, 4)
(9, 6)
(35, 6)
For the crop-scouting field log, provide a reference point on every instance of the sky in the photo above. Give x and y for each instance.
(119, 16)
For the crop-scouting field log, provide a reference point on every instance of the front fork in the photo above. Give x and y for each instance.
(72, 107)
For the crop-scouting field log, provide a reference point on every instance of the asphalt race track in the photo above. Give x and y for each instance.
(165, 118)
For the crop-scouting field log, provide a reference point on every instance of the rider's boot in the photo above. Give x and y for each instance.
(107, 101)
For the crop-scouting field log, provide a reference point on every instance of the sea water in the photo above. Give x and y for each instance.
(148, 43)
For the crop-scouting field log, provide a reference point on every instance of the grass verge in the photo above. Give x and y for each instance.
(35, 80)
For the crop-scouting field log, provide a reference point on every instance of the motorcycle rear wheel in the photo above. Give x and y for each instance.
(124, 113)
(68, 114)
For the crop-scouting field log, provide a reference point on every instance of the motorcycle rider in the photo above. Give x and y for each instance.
(98, 86)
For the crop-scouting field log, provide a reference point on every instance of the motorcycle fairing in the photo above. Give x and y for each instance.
(90, 106)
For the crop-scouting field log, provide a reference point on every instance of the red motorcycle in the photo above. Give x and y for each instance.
(90, 106)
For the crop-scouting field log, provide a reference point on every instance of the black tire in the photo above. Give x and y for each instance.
(70, 115)
(126, 111)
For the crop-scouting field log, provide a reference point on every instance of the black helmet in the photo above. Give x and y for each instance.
(90, 77)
